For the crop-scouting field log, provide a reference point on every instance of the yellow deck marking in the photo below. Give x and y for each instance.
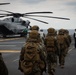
(17, 51)
(9, 39)
(9, 51)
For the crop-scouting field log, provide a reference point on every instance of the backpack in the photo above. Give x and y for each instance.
(51, 30)
(61, 41)
(34, 34)
(31, 58)
(50, 41)
(31, 51)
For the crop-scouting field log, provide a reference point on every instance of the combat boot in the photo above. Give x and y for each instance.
(62, 66)
(52, 72)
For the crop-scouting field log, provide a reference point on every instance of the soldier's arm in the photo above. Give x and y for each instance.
(57, 47)
(67, 41)
(45, 41)
(70, 39)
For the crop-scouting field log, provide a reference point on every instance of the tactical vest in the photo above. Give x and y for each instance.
(61, 41)
(50, 43)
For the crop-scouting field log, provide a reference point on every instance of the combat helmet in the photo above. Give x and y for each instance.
(51, 30)
(34, 34)
(35, 27)
(61, 31)
(66, 31)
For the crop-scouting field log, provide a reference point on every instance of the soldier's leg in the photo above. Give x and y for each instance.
(19, 68)
(62, 61)
(38, 73)
(55, 62)
(50, 69)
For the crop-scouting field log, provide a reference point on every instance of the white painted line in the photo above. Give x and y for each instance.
(8, 45)
(16, 60)
(71, 49)
(10, 39)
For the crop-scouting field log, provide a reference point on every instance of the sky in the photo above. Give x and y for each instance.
(60, 8)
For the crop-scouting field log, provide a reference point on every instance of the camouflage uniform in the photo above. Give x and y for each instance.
(33, 38)
(3, 68)
(51, 51)
(63, 46)
(40, 38)
(42, 35)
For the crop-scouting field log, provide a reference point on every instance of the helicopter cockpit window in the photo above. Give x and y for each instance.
(23, 23)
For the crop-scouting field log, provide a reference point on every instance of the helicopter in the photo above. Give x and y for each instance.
(15, 25)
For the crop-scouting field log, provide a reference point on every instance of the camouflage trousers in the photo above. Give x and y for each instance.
(35, 73)
(51, 62)
(61, 59)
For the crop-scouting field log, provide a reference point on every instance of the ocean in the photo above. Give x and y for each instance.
(71, 31)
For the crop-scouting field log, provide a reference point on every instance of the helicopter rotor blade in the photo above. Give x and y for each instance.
(4, 3)
(37, 20)
(44, 12)
(6, 11)
(17, 15)
(2, 16)
(22, 15)
(49, 17)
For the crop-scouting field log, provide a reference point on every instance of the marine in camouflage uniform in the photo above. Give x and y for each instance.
(63, 45)
(33, 37)
(52, 50)
(3, 68)
(42, 35)
(40, 38)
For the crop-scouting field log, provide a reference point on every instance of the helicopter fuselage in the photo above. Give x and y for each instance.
(10, 26)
